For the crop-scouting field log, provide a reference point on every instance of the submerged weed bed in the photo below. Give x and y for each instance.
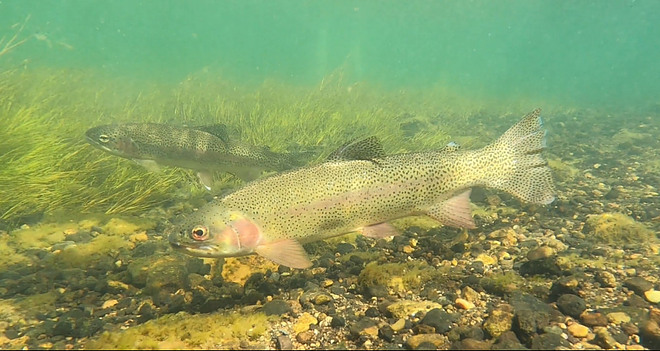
(49, 169)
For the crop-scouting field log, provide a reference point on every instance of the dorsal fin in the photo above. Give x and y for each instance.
(364, 149)
(220, 130)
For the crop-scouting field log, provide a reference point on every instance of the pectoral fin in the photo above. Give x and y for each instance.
(380, 230)
(150, 165)
(206, 178)
(454, 212)
(287, 252)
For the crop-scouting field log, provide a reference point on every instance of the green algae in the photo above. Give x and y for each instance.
(424, 222)
(9, 254)
(14, 244)
(185, 331)
(563, 170)
(40, 236)
(125, 226)
(117, 234)
(399, 277)
(364, 255)
(502, 283)
(32, 305)
(82, 255)
(617, 228)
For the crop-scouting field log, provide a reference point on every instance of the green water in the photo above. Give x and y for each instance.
(86, 260)
(588, 53)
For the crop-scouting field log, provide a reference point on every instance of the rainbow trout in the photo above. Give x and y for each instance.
(273, 216)
(203, 149)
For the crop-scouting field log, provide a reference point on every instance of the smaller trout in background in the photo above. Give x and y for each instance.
(361, 189)
(203, 149)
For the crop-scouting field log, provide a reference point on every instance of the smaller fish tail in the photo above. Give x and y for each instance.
(528, 176)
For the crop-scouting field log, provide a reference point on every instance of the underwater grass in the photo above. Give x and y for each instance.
(8, 44)
(48, 168)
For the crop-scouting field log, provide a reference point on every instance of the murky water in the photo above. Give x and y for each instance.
(83, 231)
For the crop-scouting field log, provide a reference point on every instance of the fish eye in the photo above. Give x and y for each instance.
(200, 233)
(104, 138)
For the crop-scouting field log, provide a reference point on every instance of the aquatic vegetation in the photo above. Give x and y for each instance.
(503, 283)
(563, 170)
(238, 270)
(40, 236)
(9, 254)
(48, 168)
(83, 255)
(9, 44)
(423, 222)
(398, 277)
(121, 226)
(184, 331)
(617, 228)
(117, 233)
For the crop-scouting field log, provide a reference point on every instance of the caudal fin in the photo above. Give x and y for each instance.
(530, 178)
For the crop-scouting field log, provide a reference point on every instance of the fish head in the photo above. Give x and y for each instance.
(216, 232)
(112, 139)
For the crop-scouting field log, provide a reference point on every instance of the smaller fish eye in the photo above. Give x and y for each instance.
(104, 138)
(200, 233)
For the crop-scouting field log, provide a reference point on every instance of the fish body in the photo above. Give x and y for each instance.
(274, 215)
(203, 149)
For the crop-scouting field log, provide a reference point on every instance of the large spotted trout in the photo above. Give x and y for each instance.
(203, 149)
(361, 189)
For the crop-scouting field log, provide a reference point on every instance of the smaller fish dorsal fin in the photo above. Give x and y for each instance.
(219, 130)
(363, 149)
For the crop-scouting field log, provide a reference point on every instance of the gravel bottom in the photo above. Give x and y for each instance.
(581, 273)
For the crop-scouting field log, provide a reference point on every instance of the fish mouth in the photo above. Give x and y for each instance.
(194, 249)
(173, 238)
(90, 140)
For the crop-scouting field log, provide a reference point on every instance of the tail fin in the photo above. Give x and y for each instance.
(521, 146)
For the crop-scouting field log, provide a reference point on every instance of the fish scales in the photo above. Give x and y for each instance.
(298, 203)
(340, 196)
(164, 142)
(154, 145)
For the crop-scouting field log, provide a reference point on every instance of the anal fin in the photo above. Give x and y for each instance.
(454, 212)
(246, 174)
(287, 252)
(380, 230)
(150, 165)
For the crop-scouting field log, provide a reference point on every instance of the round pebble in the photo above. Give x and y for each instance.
(398, 325)
(578, 330)
(540, 253)
(109, 303)
(652, 296)
(464, 304)
(571, 305)
(606, 278)
(618, 317)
